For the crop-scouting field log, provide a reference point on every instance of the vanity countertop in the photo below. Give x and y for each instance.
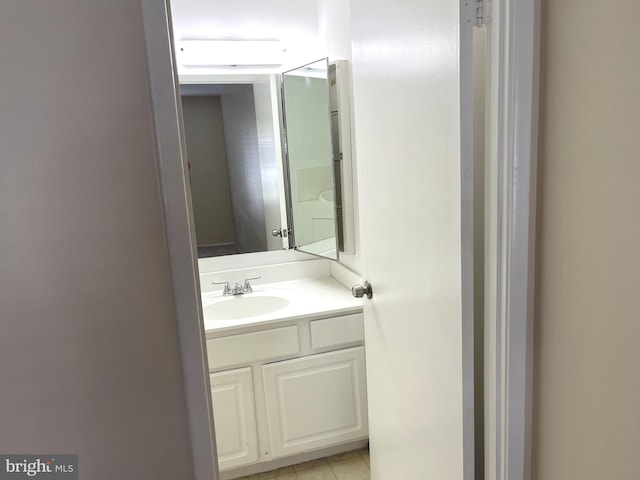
(276, 302)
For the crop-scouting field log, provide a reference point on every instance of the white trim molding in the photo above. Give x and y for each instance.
(180, 233)
(510, 237)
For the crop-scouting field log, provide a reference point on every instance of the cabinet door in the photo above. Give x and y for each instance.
(316, 401)
(234, 417)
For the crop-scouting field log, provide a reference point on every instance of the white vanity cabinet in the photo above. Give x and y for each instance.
(285, 388)
(316, 401)
(235, 419)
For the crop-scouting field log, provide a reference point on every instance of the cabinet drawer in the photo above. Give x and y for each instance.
(252, 347)
(335, 331)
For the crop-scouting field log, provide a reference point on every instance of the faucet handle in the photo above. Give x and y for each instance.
(247, 286)
(227, 287)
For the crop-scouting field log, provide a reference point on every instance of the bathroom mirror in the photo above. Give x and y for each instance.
(251, 176)
(309, 154)
(233, 141)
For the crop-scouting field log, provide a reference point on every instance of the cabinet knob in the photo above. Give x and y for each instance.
(360, 291)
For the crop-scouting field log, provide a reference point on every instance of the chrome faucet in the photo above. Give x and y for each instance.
(238, 288)
(246, 288)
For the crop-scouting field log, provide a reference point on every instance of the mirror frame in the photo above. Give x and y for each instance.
(287, 166)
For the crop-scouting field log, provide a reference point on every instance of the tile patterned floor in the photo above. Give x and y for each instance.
(345, 466)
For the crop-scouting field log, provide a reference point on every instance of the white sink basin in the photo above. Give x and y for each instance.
(275, 302)
(244, 306)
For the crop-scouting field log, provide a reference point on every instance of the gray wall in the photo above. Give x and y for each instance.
(587, 389)
(89, 358)
(204, 136)
(243, 155)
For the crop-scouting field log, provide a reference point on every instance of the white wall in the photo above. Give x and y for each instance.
(334, 25)
(292, 22)
(89, 356)
(587, 386)
(334, 17)
(244, 19)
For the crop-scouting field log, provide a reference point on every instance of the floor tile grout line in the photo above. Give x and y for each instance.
(332, 470)
(359, 457)
(367, 461)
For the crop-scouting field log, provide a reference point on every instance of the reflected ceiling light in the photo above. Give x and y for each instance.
(203, 53)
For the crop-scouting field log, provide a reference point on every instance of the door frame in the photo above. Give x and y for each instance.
(510, 205)
(180, 233)
(513, 45)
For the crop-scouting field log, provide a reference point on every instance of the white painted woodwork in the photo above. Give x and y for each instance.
(252, 347)
(316, 401)
(513, 46)
(331, 332)
(340, 375)
(180, 235)
(415, 241)
(235, 419)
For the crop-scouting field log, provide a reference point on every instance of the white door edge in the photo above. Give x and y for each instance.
(510, 237)
(180, 233)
